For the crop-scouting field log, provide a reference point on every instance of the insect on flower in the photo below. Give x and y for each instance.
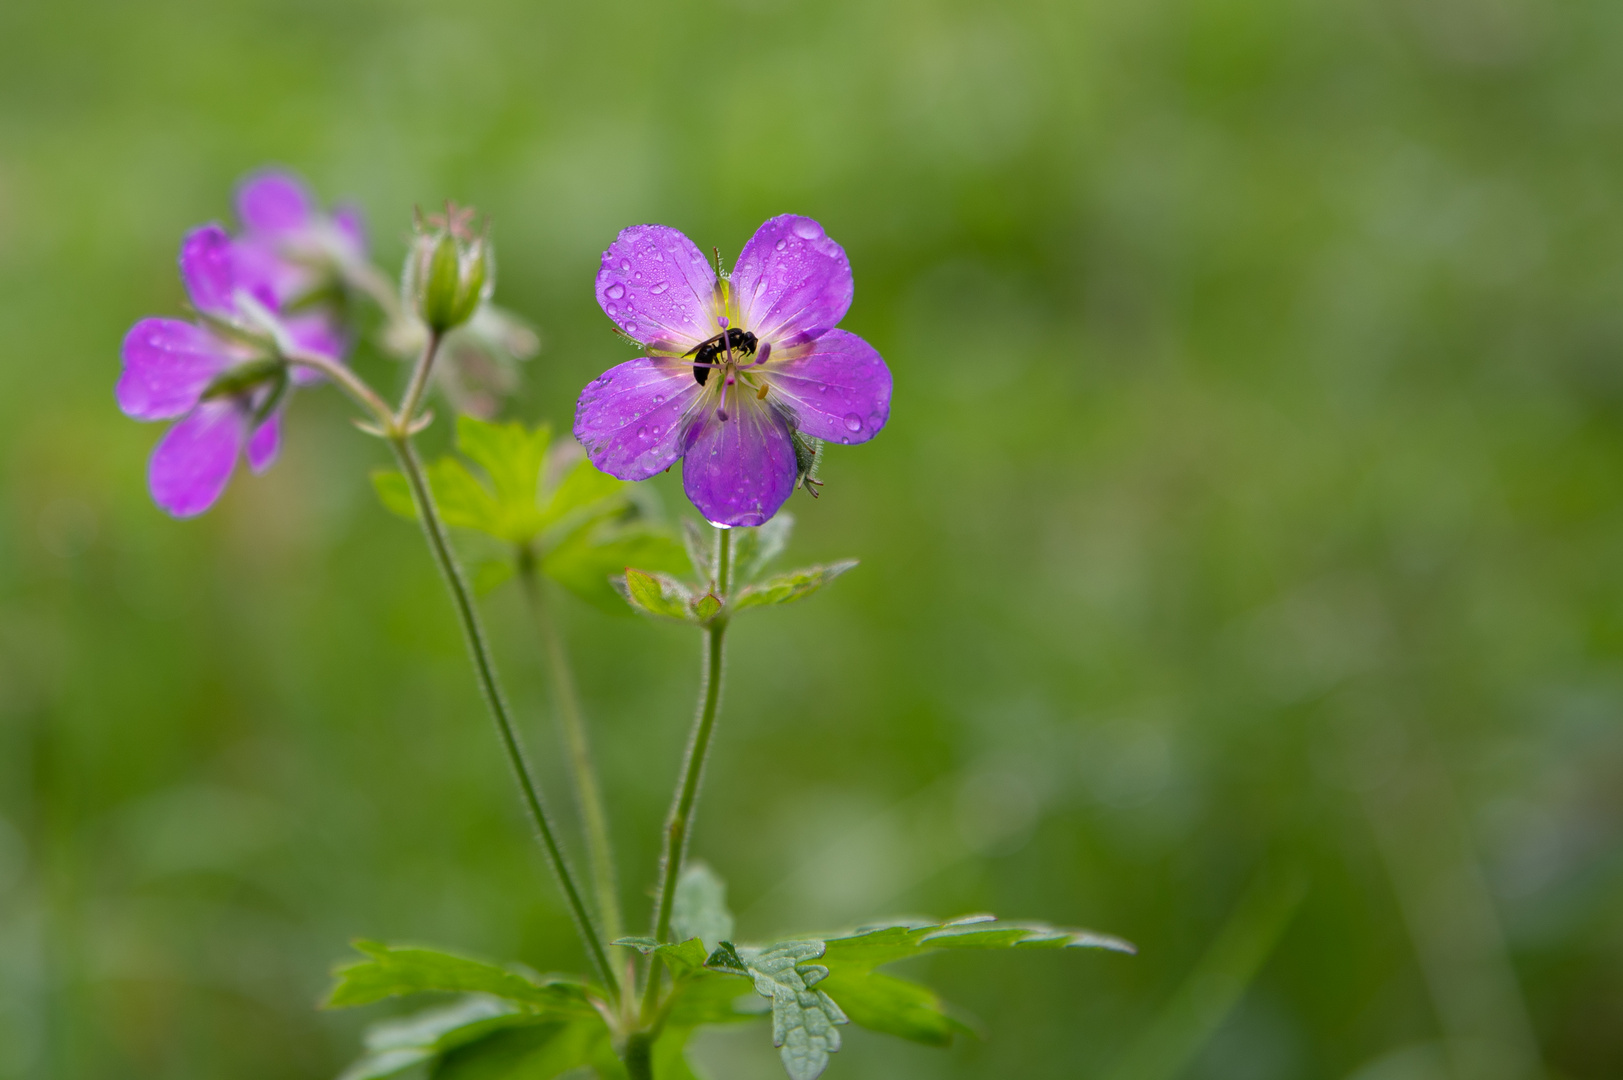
(740, 372)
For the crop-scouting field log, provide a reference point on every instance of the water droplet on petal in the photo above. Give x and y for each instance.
(659, 399)
(853, 422)
(781, 244)
(658, 288)
(625, 264)
(642, 433)
(615, 291)
(611, 309)
(807, 229)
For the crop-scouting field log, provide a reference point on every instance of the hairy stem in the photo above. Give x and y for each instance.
(351, 383)
(419, 382)
(588, 792)
(484, 666)
(687, 789)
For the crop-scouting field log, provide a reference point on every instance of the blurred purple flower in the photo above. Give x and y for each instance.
(736, 366)
(220, 375)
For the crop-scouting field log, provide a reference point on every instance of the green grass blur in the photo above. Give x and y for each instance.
(1251, 510)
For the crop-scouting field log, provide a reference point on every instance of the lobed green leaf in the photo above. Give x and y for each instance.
(658, 594)
(511, 455)
(392, 971)
(871, 947)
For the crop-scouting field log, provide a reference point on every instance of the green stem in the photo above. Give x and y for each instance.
(485, 668)
(419, 382)
(588, 793)
(687, 790)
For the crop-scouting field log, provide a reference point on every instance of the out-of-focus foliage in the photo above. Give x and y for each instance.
(1253, 499)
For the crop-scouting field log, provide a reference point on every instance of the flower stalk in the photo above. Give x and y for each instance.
(680, 821)
(588, 792)
(439, 544)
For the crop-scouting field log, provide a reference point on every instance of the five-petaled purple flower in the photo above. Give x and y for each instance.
(225, 375)
(736, 366)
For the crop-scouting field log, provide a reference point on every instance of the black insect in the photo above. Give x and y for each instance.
(708, 352)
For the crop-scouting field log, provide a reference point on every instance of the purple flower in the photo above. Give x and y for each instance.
(222, 375)
(736, 366)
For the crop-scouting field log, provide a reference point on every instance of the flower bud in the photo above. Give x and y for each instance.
(449, 271)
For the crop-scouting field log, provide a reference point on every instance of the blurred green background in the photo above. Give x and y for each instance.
(1250, 514)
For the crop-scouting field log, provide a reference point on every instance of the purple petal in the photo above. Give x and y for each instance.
(264, 444)
(630, 417)
(658, 287)
(193, 461)
(791, 280)
(741, 470)
(258, 265)
(205, 267)
(352, 227)
(167, 365)
(273, 203)
(837, 386)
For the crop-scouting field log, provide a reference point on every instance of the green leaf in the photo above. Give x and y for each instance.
(390, 971)
(706, 607)
(893, 1006)
(868, 948)
(712, 997)
(464, 502)
(658, 594)
(587, 560)
(699, 909)
(754, 548)
(394, 490)
(787, 588)
(700, 548)
(510, 455)
(804, 1019)
(584, 487)
(490, 574)
(682, 956)
(536, 1052)
(396, 1045)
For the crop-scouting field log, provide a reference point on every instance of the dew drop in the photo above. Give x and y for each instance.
(658, 288)
(781, 244)
(625, 264)
(853, 422)
(611, 309)
(642, 433)
(637, 276)
(659, 399)
(616, 291)
(631, 326)
(807, 229)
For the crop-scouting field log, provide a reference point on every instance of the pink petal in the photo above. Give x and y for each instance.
(838, 387)
(193, 461)
(273, 202)
(167, 365)
(792, 281)
(205, 267)
(264, 444)
(658, 287)
(258, 265)
(741, 470)
(630, 418)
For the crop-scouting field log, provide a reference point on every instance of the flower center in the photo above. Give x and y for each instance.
(720, 350)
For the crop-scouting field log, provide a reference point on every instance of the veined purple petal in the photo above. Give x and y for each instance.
(658, 287)
(258, 265)
(167, 365)
(317, 332)
(266, 440)
(739, 471)
(630, 418)
(205, 267)
(838, 387)
(791, 280)
(273, 202)
(193, 461)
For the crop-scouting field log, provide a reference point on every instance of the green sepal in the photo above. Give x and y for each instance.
(789, 587)
(658, 594)
(393, 971)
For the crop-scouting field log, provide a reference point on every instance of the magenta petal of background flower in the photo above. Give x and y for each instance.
(265, 442)
(658, 287)
(193, 461)
(630, 417)
(791, 279)
(741, 470)
(838, 387)
(205, 267)
(273, 203)
(167, 365)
